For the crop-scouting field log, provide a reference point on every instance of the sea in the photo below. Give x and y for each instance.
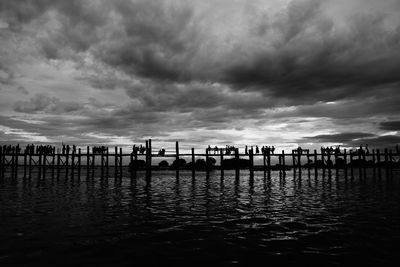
(268, 219)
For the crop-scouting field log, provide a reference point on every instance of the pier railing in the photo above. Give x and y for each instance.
(76, 162)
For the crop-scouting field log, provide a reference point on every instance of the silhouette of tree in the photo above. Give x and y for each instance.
(163, 164)
(180, 162)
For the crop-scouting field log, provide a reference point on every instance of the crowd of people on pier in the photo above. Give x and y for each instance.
(8, 149)
(228, 149)
(99, 149)
(67, 149)
(41, 149)
(32, 149)
(138, 149)
(161, 152)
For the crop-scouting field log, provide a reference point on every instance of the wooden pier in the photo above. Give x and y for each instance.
(91, 163)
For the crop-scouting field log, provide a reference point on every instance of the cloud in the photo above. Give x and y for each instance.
(390, 125)
(44, 103)
(184, 66)
(338, 138)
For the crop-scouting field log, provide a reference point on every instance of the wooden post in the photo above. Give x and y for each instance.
(299, 160)
(207, 160)
(102, 164)
(315, 163)
(40, 166)
(53, 164)
(30, 165)
(391, 161)
(135, 165)
(12, 162)
(386, 161)
(107, 162)
(25, 164)
(177, 158)
(378, 158)
(345, 163)
(222, 162)
(66, 163)
(264, 161)
(283, 162)
(87, 163)
(150, 158)
(364, 166)
(16, 163)
(360, 165)
(79, 162)
(116, 161)
(58, 165)
(73, 164)
(131, 164)
(1, 162)
(147, 159)
(93, 162)
(308, 163)
(336, 165)
(237, 172)
(329, 163)
(269, 162)
(120, 162)
(323, 162)
(44, 165)
(193, 163)
(251, 163)
(351, 165)
(280, 165)
(373, 163)
(294, 162)
(4, 162)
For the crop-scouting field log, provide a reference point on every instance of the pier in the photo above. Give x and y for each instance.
(74, 163)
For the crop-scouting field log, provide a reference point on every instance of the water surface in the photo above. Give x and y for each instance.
(275, 220)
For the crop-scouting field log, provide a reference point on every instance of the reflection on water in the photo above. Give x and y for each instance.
(202, 220)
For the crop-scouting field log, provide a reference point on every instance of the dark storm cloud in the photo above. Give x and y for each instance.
(355, 139)
(337, 138)
(44, 103)
(390, 125)
(302, 55)
(387, 141)
(187, 65)
(315, 60)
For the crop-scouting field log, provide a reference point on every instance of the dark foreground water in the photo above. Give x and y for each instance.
(203, 221)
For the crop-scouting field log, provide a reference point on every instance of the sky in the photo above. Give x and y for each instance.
(203, 72)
